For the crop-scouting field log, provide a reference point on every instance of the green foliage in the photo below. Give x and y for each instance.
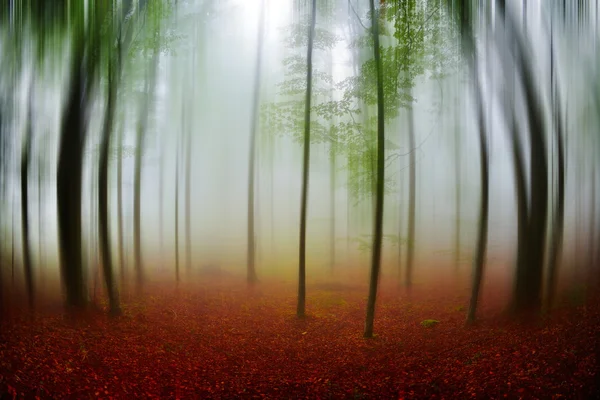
(421, 40)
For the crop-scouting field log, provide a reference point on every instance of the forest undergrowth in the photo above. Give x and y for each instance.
(218, 338)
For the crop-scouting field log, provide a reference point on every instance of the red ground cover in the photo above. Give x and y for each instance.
(223, 340)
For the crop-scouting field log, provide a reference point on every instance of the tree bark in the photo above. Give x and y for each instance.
(69, 178)
(103, 224)
(379, 193)
(300, 311)
(25, 164)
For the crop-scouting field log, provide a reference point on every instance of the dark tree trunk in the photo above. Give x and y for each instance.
(470, 52)
(300, 311)
(378, 223)
(559, 212)
(25, 164)
(69, 178)
(103, 225)
(528, 285)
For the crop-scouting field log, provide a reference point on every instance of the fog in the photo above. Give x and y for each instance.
(204, 88)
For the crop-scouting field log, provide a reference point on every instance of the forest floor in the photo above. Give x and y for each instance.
(219, 339)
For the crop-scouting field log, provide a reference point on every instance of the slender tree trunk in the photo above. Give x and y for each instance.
(188, 209)
(332, 172)
(120, 205)
(177, 215)
(558, 223)
(410, 251)
(470, 52)
(378, 223)
(251, 256)
(300, 312)
(457, 193)
(103, 224)
(140, 144)
(25, 164)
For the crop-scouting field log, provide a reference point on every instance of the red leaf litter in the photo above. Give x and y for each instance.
(226, 341)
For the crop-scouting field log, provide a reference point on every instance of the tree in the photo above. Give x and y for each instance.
(114, 74)
(70, 158)
(528, 282)
(142, 127)
(251, 249)
(300, 312)
(463, 14)
(559, 212)
(379, 193)
(25, 165)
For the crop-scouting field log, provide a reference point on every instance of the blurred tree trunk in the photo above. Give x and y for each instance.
(177, 159)
(528, 282)
(379, 186)
(457, 201)
(25, 164)
(300, 312)
(103, 224)
(251, 249)
(410, 251)
(188, 210)
(69, 172)
(120, 205)
(142, 127)
(559, 212)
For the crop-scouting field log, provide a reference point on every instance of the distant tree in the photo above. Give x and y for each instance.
(142, 127)
(251, 247)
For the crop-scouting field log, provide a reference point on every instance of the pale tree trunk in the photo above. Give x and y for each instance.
(251, 235)
(410, 251)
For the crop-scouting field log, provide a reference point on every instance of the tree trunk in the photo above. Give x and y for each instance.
(457, 201)
(140, 143)
(25, 164)
(300, 311)
(470, 52)
(527, 296)
(378, 223)
(251, 255)
(177, 215)
(332, 171)
(120, 205)
(559, 213)
(410, 251)
(69, 178)
(103, 224)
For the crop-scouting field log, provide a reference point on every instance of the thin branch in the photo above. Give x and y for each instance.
(355, 13)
